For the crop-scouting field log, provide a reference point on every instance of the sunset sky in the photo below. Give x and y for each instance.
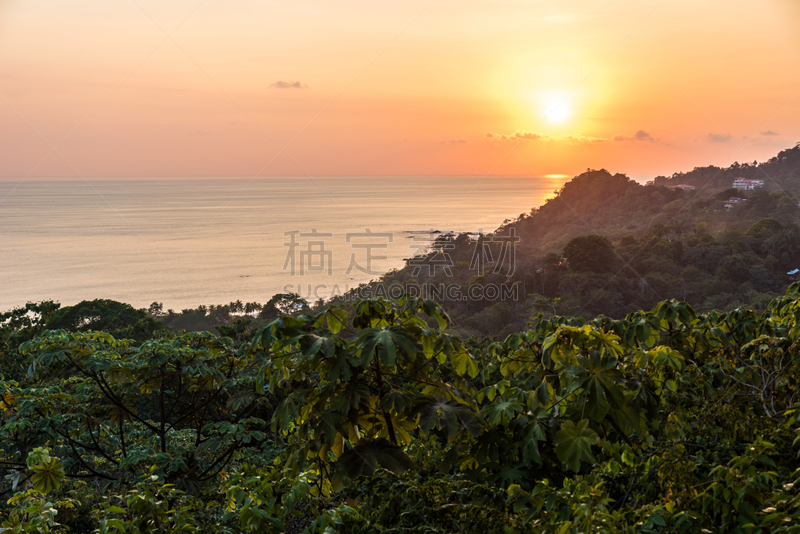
(219, 87)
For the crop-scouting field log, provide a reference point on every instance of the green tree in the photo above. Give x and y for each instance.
(119, 319)
(284, 303)
(187, 405)
(763, 229)
(16, 327)
(591, 253)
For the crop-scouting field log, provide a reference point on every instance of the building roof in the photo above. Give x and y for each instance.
(794, 272)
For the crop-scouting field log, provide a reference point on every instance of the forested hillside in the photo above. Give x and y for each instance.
(597, 202)
(781, 172)
(606, 244)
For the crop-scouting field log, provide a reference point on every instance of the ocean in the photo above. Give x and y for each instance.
(191, 241)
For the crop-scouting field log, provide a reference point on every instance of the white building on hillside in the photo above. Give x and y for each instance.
(743, 184)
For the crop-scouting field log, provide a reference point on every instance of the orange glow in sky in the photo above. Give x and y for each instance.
(242, 88)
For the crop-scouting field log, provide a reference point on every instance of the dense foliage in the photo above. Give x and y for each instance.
(374, 418)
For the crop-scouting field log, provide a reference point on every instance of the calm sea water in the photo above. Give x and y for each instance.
(186, 242)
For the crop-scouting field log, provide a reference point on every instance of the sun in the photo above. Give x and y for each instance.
(557, 112)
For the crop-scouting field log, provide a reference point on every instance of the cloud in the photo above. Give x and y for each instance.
(769, 132)
(529, 136)
(525, 135)
(573, 139)
(280, 84)
(455, 141)
(578, 139)
(719, 138)
(640, 135)
(519, 135)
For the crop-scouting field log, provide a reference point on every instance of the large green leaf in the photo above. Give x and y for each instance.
(336, 319)
(389, 342)
(574, 443)
(501, 411)
(313, 344)
(596, 402)
(599, 378)
(532, 434)
(47, 476)
(464, 364)
(447, 416)
(338, 367)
